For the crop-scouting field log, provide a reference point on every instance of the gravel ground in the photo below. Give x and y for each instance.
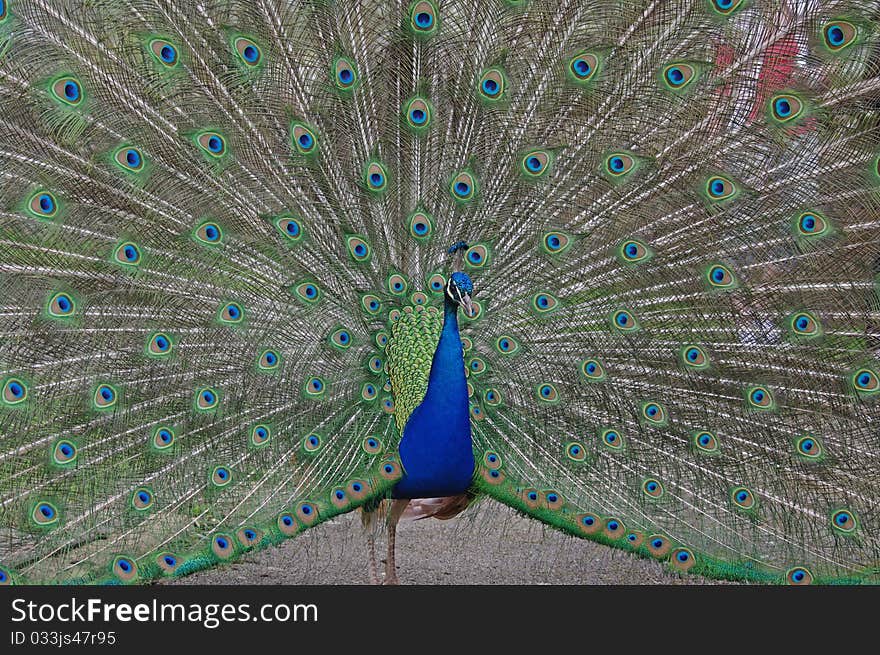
(488, 544)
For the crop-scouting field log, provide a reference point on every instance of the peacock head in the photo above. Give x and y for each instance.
(459, 289)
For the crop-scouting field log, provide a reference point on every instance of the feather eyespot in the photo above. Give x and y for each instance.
(287, 524)
(260, 435)
(372, 445)
(652, 488)
(654, 413)
(231, 313)
(624, 321)
(547, 393)
(375, 364)
(633, 251)
(61, 305)
(375, 177)
(159, 344)
(477, 366)
(809, 447)
(583, 67)
(45, 514)
(307, 513)
(492, 397)
(611, 438)
(304, 139)
(208, 233)
(344, 73)
(839, 34)
(312, 443)
(726, 7)
(168, 563)
(142, 499)
(125, 569)
(371, 304)
(390, 469)
(290, 227)
(544, 303)
(619, 164)
(811, 224)
(64, 453)
(614, 528)
(477, 256)
(760, 398)
(421, 225)
(397, 284)
(694, 357)
(804, 324)
(212, 143)
(463, 186)
(248, 51)
(308, 292)
(437, 283)
(719, 187)
(423, 18)
(682, 559)
(207, 399)
(43, 205)
(679, 76)
(223, 546)
(220, 476)
(248, 537)
(575, 451)
(592, 370)
(705, 442)
(358, 489)
(589, 523)
(341, 338)
(786, 107)
(799, 576)
(844, 521)
(720, 277)
(128, 254)
(743, 498)
(268, 360)
(866, 381)
(130, 159)
(492, 84)
(15, 391)
(68, 90)
(163, 438)
(536, 163)
(555, 242)
(418, 114)
(164, 52)
(315, 387)
(358, 248)
(506, 345)
(105, 397)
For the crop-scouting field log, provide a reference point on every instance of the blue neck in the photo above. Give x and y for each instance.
(436, 450)
(447, 381)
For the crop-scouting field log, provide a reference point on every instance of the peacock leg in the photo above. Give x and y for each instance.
(374, 569)
(397, 508)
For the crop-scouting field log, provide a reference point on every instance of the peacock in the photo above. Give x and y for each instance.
(611, 263)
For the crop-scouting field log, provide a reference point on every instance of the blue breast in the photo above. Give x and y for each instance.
(436, 450)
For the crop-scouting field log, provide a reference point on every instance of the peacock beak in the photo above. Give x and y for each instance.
(468, 305)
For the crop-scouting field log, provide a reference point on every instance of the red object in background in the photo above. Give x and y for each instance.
(777, 70)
